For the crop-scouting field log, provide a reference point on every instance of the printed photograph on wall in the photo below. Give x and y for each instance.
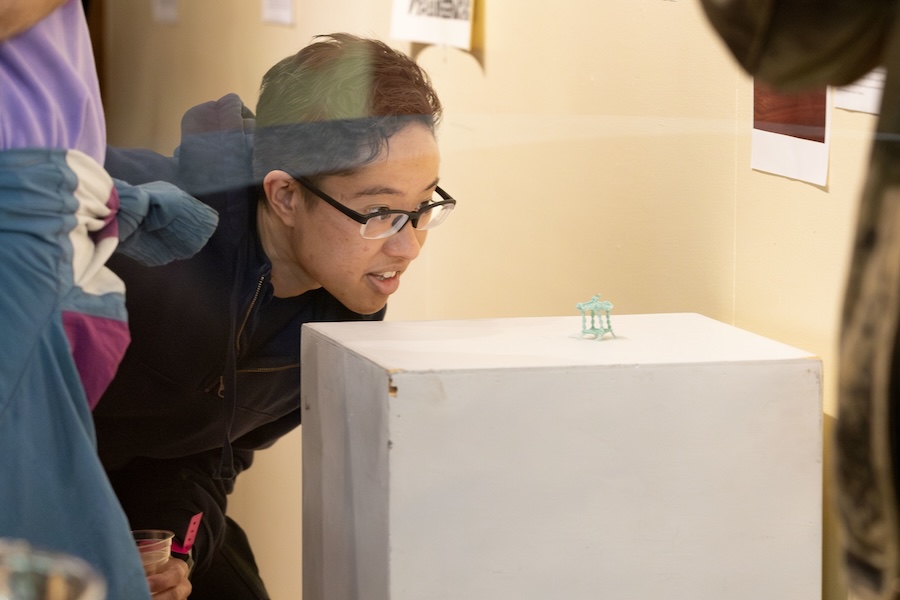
(791, 133)
(800, 115)
(440, 22)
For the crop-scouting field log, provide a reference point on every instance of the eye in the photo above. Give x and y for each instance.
(378, 213)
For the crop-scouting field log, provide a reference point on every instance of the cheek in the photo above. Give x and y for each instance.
(330, 251)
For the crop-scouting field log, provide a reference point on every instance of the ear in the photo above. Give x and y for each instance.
(282, 196)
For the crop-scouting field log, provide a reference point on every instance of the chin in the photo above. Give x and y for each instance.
(366, 308)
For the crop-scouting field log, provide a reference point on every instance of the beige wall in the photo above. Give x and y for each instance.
(593, 146)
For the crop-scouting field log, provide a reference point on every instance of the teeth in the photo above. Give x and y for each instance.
(385, 275)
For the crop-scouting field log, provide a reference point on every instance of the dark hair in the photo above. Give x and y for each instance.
(332, 107)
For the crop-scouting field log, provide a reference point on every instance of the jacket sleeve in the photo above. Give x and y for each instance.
(137, 166)
(799, 44)
(215, 153)
(166, 494)
(158, 223)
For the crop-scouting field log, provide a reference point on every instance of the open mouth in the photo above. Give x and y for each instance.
(384, 276)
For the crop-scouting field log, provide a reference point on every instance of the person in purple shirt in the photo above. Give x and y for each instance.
(48, 84)
(63, 326)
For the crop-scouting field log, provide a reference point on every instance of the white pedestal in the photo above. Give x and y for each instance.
(512, 459)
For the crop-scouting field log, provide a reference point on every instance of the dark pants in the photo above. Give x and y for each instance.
(233, 574)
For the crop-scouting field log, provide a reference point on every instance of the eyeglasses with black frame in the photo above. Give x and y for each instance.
(385, 222)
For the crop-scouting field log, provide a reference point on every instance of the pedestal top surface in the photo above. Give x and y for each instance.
(528, 342)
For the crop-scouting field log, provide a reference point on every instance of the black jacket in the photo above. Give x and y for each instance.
(212, 372)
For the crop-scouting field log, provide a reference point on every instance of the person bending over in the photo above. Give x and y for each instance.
(324, 198)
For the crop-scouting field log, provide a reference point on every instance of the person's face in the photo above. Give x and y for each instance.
(327, 244)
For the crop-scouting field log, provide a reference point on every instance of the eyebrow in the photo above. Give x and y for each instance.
(382, 191)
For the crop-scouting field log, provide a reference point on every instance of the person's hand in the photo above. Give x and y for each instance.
(171, 583)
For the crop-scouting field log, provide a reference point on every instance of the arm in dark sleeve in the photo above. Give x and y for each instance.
(137, 166)
(798, 44)
(166, 494)
(215, 153)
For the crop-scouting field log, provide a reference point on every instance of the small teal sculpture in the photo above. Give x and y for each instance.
(596, 309)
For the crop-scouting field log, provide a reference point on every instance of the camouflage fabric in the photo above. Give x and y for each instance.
(796, 44)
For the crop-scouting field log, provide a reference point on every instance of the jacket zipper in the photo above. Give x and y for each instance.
(221, 381)
(269, 369)
(237, 342)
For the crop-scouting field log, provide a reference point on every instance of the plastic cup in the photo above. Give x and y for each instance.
(154, 545)
(27, 573)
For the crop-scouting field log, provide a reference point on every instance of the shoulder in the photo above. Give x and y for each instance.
(216, 146)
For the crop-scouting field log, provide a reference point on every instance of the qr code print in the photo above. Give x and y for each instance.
(444, 9)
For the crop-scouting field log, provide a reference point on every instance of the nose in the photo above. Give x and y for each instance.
(406, 243)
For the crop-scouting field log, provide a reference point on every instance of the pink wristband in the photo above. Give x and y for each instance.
(190, 534)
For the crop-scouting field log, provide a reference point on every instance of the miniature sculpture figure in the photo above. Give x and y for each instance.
(596, 309)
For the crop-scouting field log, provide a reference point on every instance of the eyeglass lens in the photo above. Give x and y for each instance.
(381, 226)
